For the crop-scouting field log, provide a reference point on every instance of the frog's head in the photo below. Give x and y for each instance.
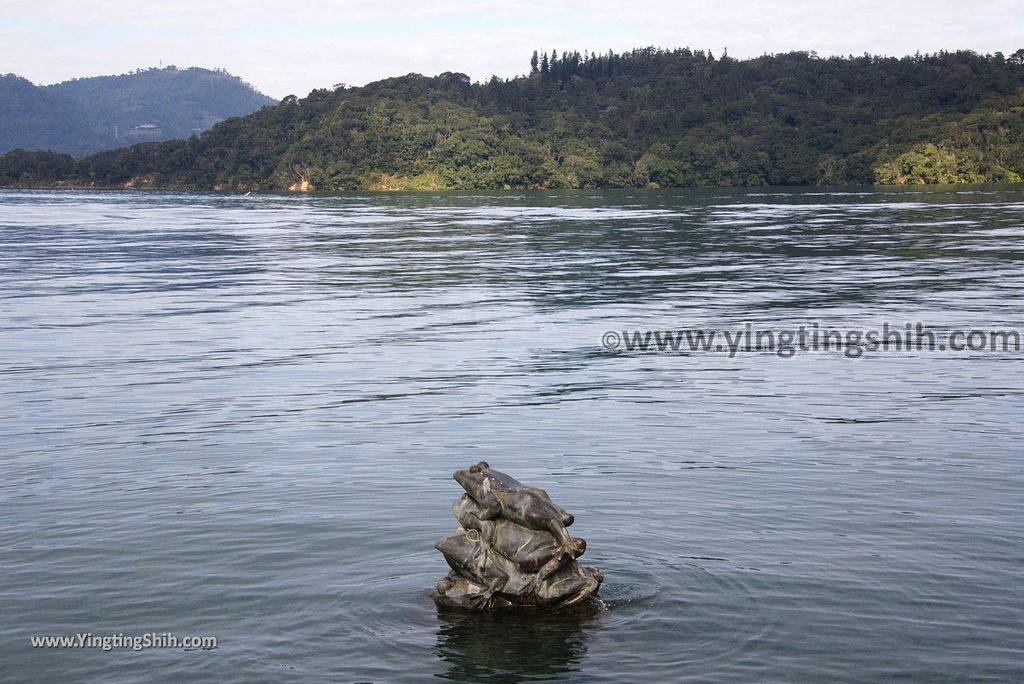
(472, 478)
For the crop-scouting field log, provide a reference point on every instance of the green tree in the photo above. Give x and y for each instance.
(644, 117)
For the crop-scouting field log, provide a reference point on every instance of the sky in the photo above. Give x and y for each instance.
(285, 48)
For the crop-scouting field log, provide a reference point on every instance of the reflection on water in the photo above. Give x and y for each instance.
(238, 417)
(512, 648)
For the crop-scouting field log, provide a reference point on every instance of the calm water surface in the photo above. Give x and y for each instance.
(238, 417)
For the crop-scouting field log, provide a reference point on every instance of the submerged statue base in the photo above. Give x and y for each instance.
(512, 549)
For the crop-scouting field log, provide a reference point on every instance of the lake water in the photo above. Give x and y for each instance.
(238, 417)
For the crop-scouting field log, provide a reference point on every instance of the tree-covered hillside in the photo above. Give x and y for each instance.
(645, 118)
(89, 114)
(36, 118)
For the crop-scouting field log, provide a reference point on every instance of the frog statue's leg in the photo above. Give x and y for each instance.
(536, 509)
(563, 557)
(497, 579)
(490, 506)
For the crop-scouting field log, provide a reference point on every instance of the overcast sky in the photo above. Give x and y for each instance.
(285, 47)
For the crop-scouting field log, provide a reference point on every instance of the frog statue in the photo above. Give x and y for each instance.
(512, 549)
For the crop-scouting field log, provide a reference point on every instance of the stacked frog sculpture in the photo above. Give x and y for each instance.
(512, 549)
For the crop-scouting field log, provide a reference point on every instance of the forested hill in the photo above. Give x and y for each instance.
(89, 114)
(645, 118)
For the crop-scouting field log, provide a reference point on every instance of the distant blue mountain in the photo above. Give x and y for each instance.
(85, 115)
